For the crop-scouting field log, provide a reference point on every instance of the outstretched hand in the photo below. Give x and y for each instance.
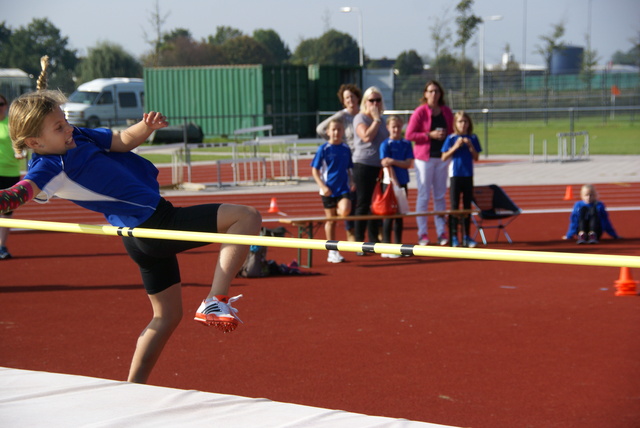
(155, 120)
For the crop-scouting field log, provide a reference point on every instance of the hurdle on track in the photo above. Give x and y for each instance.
(317, 244)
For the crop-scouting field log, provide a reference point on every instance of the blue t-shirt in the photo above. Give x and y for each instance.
(122, 186)
(397, 150)
(334, 162)
(462, 161)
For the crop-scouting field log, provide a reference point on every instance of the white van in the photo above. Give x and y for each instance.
(106, 102)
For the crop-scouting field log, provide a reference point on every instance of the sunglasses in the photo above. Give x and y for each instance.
(375, 100)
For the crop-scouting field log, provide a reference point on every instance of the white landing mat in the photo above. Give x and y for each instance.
(35, 399)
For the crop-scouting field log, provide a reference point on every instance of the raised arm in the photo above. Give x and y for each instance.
(321, 129)
(18, 194)
(137, 134)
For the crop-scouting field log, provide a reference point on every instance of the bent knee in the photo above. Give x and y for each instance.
(240, 219)
(253, 218)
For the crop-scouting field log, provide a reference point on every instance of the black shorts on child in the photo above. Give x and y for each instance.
(157, 257)
(332, 201)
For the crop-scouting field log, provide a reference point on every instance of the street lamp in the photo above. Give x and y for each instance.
(481, 47)
(349, 9)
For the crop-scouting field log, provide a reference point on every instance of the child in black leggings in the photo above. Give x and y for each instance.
(463, 146)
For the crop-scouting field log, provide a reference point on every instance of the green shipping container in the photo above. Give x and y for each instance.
(222, 99)
(286, 100)
(324, 82)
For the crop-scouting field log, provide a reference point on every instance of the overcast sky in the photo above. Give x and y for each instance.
(389, 27)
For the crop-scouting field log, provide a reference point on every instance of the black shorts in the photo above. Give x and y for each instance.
(332, 201)
(5, 183)
(157, 257)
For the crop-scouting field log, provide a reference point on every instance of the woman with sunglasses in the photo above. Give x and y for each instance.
(370, 133)
(9, 169)
(428, 127)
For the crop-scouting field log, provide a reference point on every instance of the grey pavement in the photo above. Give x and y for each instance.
(520, 170)
(503, 170)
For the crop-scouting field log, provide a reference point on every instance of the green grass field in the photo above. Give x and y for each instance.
(617, 136)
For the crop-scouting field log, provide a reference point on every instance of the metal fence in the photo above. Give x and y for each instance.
(514, 89)
(303, 124)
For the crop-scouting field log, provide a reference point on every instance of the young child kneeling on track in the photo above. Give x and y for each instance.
(589, 218)
(396, 157)
(331, 168)
(95, 169)
(464, 147)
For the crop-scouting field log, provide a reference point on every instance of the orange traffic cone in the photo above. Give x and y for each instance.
(626, 285)
(273, 207)
(568, 194)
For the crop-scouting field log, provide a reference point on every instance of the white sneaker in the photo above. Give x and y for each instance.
(390, 256)
(424, 240)
(334, 257)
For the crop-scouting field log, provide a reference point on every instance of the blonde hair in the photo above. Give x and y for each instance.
(589, 187)
(395, 118)
(28, 111)
(364, 102)
(464, 114)
(338, 121)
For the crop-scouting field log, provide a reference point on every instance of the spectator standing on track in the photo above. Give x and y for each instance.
(463, 147)
(370, 133)
(331, 169)
(96, 169)
(349, 96)
(589, 218)
(396, 156)
(9, 169)
(428, 127)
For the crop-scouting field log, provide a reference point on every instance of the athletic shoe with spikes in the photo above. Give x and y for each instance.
(219, 313)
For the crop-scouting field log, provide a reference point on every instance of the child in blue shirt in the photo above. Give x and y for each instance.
(331, 169)
(96, 169)
(396, 157)
(463, 146)
(589, 218)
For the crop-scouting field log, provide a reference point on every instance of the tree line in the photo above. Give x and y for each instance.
(22, 48)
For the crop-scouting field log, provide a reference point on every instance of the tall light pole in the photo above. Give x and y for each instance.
(481, 47)
(523, 67)
(349, 9)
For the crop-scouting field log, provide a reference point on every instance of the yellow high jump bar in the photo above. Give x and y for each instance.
(317, 244)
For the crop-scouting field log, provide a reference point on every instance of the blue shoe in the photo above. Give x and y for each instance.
(469, 242)
(4, 253)
(454, 241)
